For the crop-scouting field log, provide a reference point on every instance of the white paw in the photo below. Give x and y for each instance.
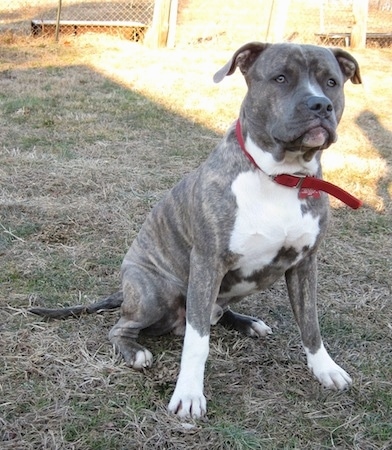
(335, 378)
(259, 329)
(188, 399)
(188, 404)
(328, 373)
(143, 360)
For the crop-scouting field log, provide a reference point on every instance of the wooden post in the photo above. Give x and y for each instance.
(171, 37)
(157, 35)
(358, 33)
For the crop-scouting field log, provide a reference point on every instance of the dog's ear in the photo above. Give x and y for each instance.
(244, 57)
(348, 65)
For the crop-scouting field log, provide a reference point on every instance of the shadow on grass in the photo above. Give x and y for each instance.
(83, 161)
(381, 139)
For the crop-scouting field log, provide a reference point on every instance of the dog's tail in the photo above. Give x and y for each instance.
(112, 302)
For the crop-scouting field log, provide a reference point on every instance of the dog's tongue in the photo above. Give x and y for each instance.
(315, 137)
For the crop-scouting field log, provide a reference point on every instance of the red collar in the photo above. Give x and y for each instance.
(308, 186)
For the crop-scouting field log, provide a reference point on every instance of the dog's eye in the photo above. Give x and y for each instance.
(280, 79)
(331, 82)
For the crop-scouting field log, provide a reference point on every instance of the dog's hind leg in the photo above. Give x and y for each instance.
(248, 325)
(151, 303)
(123, 336)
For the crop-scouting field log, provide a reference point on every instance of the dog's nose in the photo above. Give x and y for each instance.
(322, 106)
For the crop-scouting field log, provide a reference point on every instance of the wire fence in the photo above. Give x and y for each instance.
(336, 20)
(128, 18)
(219, 22)
(232, 22)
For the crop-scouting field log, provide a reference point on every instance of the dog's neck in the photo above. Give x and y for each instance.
(293, 163)
(299, 176)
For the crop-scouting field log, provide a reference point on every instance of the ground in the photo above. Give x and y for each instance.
(93, 131)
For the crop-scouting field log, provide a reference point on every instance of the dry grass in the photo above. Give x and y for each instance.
(93, 131)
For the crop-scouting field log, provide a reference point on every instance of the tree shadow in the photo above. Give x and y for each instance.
(83, 156)
(381, 139)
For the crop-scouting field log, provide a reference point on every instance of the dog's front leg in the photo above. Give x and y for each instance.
(302, 287)
(188, 399)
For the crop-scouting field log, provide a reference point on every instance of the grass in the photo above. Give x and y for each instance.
(93, 132)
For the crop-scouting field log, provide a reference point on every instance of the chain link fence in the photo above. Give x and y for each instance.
(223, 23)
(127, 18)
(336, 20)
(232, 22)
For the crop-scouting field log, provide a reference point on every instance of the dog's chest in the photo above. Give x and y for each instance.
(269, 222)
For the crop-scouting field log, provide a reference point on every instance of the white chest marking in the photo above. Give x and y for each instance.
(269, 218)
(292, 163)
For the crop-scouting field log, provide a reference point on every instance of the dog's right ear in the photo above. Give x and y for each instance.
(244, 57)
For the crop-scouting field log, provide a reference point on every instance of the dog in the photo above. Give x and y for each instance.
(254, 211)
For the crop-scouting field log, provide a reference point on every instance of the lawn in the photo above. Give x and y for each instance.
(93, 131)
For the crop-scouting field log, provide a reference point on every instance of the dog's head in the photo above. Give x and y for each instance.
(295, 95)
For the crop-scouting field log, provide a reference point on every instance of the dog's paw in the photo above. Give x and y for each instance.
(248, 325)
(188, 405)
(258, 328)
(134, 354)
(335, 378)
(327, 372)
(142, 360)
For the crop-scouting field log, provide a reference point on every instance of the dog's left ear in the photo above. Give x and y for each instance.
(243, 58)
(348, 65)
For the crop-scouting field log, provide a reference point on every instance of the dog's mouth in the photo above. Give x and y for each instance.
(316, 138)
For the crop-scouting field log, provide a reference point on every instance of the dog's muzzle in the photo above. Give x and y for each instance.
(320, 133)
(317, 137)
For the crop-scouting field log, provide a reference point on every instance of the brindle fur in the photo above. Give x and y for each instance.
(180, 266)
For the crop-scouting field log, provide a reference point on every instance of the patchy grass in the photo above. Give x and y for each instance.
(93, 132)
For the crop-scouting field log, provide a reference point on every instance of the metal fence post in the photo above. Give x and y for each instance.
(58, 21)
